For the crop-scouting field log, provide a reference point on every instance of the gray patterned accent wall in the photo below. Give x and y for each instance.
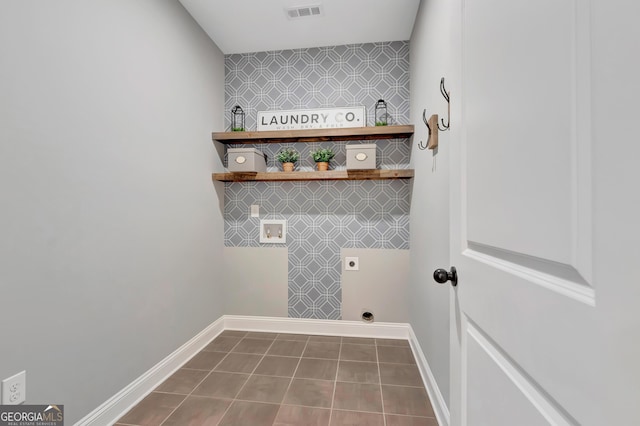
(324, 216)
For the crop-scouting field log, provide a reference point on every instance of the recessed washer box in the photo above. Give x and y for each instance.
(273, 231)
(361, 156)
(246, 160)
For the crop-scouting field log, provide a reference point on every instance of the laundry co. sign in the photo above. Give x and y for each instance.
(322, 118)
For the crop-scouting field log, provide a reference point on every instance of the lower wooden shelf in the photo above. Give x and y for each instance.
(328, 175)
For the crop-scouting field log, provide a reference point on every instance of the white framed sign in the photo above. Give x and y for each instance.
(320, 118)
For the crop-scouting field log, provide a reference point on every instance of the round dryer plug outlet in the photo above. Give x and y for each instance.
(351, 264)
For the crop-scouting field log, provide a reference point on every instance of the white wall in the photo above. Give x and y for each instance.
(429, 301)
(379, 286)
(111, 228)
(256, 281)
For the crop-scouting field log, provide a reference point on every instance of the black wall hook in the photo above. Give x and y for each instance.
(447, 97)
(432, 126)
(426, 122)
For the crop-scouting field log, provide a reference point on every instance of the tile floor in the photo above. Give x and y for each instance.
(254, 379)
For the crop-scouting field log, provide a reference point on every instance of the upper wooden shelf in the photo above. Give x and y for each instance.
(316, 135)
(328, 175)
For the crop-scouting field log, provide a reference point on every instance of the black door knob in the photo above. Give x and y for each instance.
(442, 276)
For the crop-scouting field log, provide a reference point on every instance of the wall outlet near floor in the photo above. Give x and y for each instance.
(351, 264)
(14, 389)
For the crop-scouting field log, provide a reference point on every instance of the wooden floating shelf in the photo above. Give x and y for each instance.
(302, 176)
(316, 135)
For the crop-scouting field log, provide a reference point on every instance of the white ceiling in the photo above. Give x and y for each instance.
(243, 26)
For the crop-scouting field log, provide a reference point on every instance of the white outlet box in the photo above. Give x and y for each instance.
(351, 264)
(14, 389)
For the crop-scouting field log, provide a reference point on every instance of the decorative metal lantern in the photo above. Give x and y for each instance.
(381, 113)
(237, 119)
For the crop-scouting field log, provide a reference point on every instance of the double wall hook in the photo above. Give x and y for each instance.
(433, 125)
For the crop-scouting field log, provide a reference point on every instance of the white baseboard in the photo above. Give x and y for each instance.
(437, 400)
(119, 404)
(381, 330)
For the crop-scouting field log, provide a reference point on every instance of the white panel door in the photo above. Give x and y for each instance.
(528, 325)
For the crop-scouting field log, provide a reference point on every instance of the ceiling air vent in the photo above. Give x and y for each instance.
(303, 11)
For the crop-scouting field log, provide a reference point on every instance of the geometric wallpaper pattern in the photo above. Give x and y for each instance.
(322, 216)
(322, 77)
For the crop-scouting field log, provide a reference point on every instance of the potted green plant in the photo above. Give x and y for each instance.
(322, 157)
(288, 157)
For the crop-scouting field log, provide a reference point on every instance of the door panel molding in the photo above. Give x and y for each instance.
(548, 408)
(560, 278)
(569, 270)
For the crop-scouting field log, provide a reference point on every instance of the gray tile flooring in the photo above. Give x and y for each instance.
(253, 379)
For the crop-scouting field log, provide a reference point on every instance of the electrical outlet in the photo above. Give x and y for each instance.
(351, 264)
(14, 389)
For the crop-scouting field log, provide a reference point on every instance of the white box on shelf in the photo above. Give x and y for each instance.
(361, 156)
(246, 160)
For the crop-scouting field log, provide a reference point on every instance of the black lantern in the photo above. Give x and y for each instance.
(381, 113)
(237, 119)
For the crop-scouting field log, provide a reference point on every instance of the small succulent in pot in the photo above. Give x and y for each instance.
(322, 157)
(288, 157)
